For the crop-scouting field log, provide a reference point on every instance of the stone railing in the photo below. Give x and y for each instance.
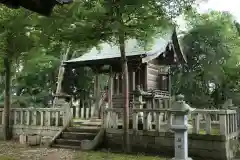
(211, 122)
(140, 119)
(48, 117)
(38, 121)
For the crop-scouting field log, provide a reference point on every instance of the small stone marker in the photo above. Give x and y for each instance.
(180, 126)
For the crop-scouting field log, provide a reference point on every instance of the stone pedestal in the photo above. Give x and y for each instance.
(33, 140)
(181, 137)
(179, 125)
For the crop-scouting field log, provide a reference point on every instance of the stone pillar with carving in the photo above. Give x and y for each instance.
(179, 125)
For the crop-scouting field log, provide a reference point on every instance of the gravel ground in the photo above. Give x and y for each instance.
(15, 151)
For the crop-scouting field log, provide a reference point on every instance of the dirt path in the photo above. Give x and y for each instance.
(15, 151)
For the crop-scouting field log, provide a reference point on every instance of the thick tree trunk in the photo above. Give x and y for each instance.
(61, 74)
(126, 103)
(121, 38)
(6, 120)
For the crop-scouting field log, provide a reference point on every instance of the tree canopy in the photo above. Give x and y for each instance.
(36, 43)
(212, 48)
(32, 48)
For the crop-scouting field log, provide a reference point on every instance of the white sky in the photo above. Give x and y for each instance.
(222, 5)
(231, 6)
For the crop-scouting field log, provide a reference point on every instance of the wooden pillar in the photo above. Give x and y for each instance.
(110, 90)
(169, 87)
(118, 86)
(146, 77)
(97, 94)
(139, 78)
(133, 81)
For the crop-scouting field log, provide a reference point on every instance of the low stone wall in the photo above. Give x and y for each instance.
(200, 146)
(45, 122)
(43, 131)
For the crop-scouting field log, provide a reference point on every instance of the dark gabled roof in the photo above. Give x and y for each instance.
(111, 51)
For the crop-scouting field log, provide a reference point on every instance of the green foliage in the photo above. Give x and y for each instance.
(35, 44)
(212, 48)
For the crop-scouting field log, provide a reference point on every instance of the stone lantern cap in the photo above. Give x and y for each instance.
(180, 105)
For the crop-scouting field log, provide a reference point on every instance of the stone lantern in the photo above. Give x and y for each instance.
(179, 125)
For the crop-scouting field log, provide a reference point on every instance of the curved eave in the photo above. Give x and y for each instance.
(177, 48)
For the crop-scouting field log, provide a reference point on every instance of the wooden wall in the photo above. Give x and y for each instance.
(148, 76)
(136, 77)
(157, 76)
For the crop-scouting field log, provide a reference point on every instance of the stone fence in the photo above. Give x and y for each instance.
(210, 122)
(40, 121)
(213, 134)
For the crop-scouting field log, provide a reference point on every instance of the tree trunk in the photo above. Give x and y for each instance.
(6, 120)
(61, 74)
(126, 99)
(121, 41)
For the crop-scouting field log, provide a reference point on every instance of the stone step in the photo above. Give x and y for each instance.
(66, 147)
(68, 142)
(87, 123)
(78, 135)
(95, 120)
(89, 129)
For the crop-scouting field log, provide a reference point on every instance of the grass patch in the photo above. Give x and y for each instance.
(6, 158)
(214, 131)
(113, 156)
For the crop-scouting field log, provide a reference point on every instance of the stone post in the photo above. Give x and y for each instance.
(64, 101)
(179, 125)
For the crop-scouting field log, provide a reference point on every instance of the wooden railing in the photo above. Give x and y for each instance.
(212, 122)
(37, 117)
(86, 108)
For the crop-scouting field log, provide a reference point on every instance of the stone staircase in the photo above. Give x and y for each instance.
(78, 133)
